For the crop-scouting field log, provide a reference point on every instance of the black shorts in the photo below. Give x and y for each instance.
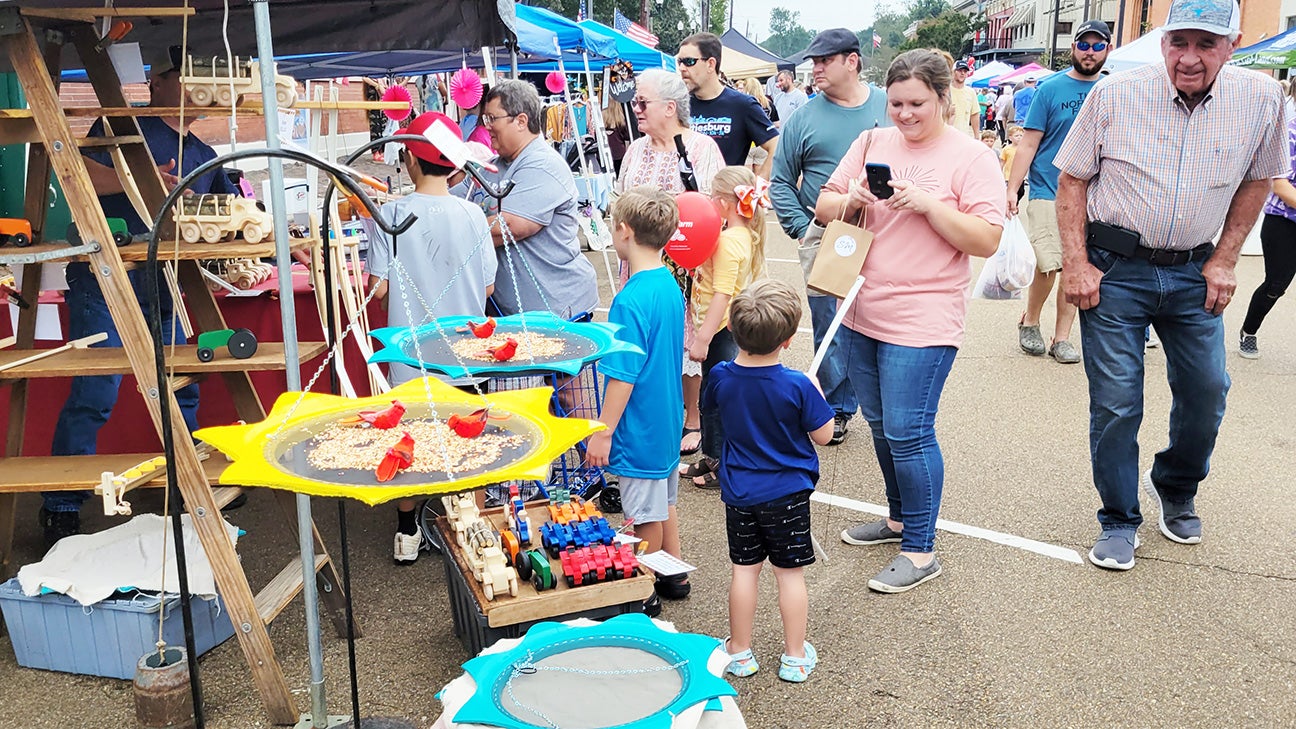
(777, 530)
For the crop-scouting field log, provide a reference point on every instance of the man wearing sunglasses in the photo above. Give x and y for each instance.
(1051, 114)
(733, 119)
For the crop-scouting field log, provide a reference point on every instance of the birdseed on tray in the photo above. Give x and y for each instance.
(340, 447)
(531, 345)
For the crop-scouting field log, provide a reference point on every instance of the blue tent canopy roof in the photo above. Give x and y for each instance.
(639, 55)
(573, 37)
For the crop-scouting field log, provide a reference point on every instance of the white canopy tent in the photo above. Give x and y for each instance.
(992, 69)
(1139, 52)
(738, 65)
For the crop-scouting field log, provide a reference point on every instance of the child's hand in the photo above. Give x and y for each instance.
(598, 448)
(698, 352)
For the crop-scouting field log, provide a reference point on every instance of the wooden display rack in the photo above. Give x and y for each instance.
(56, 149)
(530, 605)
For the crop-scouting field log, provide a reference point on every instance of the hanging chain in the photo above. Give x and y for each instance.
(401, 278)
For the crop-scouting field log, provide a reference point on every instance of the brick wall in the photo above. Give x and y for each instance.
(214, 129)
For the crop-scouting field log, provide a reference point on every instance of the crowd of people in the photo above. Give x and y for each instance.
(1121, 227)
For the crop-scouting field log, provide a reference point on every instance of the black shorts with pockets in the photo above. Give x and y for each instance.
(777, 530)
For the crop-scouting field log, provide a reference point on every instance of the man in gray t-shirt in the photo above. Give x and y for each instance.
(545, 270)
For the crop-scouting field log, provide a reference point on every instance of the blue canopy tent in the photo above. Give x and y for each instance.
(571, 36)
(739, 42)
(1276, 52)
(627, 49)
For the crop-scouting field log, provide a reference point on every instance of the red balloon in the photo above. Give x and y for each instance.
(699, 230)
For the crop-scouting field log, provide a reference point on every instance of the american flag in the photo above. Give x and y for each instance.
(877, 41)
(632, 29)
(580, 11)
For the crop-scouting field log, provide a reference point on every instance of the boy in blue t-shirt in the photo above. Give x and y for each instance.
(767, 470)
(643, 406)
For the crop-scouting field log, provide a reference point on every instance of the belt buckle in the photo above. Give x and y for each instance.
(1163, 257)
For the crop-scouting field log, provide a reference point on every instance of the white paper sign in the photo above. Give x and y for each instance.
(665, 563)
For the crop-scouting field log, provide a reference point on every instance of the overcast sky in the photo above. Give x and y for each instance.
(817, 14)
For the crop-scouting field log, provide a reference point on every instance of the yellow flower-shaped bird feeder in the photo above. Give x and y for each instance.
(315, 444)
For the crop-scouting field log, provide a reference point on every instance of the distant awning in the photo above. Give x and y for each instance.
(1024, 14)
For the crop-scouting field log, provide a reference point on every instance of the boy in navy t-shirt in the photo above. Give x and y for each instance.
(643, 406)
(767, 470)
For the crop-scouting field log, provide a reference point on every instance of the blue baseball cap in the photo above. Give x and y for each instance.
(1218, 17)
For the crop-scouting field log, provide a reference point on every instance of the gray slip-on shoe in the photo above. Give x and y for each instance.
(1178, 522)
(1064, 352)
(873, 532)
(1114, 550)
(1030, 339)
(901, 575)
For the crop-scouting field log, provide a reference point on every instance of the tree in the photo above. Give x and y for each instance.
(719, 21)
(947, 31)
(787, 36)
(667, 20)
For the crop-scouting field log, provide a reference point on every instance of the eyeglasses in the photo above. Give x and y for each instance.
(641, 104)
(489, 120)
(689, 61)
(1098, 47)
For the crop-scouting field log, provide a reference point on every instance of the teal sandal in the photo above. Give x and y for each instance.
(741, 664)
(797, 670)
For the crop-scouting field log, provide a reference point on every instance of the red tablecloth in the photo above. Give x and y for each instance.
(129, 430)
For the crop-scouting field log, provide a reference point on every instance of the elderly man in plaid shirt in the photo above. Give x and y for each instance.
(1157, 161)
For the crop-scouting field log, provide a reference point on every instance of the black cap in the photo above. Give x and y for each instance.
(962, 66)
(1093, 26)
(831, 42)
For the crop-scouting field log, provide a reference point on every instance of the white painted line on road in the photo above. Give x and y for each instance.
(1009, 540)
(782, 260)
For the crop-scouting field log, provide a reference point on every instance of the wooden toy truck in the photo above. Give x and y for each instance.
(210, 80)
(215, 218)
(15, 231)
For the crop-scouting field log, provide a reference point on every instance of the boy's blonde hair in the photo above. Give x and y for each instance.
(990, 135)
(722, 186)
(1014, 128)
(650, 213)
(764, 316)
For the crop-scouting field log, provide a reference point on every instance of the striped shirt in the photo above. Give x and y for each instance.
(1164, 170)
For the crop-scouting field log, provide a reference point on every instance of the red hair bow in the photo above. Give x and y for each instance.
(749, 197)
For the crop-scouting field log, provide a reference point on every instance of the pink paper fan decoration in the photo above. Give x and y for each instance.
(466, 88)
(398, 93)
(555, 82)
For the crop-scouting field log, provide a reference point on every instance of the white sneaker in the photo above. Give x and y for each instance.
(407, 548)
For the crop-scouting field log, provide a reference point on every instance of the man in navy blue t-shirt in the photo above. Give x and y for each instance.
(91, 399)
(733, 119)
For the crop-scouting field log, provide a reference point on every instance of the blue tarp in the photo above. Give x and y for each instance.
(573, 37)
(639, 55)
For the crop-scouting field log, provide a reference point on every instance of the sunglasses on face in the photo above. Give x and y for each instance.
(1086, 45)
(689, 61)
(642, 104)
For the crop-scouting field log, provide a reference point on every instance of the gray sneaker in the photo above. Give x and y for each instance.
(1114, 550)
(1178, 522)
(1064, 352)
(1249, 346)
(874, 532)
(1030, 339)
(901, 575)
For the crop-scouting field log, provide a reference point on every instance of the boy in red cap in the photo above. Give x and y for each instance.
(446, 257)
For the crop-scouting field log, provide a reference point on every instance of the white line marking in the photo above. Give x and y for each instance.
(783, 260)
(1009, 540)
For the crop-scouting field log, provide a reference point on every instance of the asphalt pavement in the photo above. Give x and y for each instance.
(1013, 634)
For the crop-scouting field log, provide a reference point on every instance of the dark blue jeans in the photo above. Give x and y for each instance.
(722, 349)
(832, 374)
(899, 389)
(92, 399)
(1134, 294)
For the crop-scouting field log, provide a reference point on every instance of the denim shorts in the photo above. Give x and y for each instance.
(777, 530)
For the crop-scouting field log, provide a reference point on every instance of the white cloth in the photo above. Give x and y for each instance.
(459, 691)
(91, 567)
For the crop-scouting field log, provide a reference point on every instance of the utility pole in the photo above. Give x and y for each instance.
(643, 13)
(731, 8)
(1120, 24)
(1053, 26)
(1085, 17)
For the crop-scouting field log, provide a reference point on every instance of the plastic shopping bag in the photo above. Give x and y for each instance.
(1011, 268)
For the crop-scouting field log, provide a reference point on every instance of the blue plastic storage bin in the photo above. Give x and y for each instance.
(56, 633)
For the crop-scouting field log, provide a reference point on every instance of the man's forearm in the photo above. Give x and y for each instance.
(768, 165)
(103, 178)
(1242, 214)
(1073, 219)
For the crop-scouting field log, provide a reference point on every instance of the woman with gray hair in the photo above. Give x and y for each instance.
(661, 106)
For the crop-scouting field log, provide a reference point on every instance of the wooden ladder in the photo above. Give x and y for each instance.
(55, 148)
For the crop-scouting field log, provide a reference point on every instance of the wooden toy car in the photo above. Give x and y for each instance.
(539, 570)
(210, 79)
(218, 217)
(461, 511)
(512, 547)
(489, 567)
(576, 566)
(15, 231)
(241, 343)
(518, 520)
(120, 233)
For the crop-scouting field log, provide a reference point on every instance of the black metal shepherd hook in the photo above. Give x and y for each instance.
(154, 293)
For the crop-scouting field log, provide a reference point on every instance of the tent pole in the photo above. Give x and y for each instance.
(283, 261)
(600, 134)
(513, 61)
(571, 111)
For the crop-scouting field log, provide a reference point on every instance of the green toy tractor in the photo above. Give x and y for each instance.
(241, 343)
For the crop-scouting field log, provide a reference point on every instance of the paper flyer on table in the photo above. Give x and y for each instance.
(664, 563)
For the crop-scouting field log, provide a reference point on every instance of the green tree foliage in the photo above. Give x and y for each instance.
(787, 35)
(719, 16)
(948, 31)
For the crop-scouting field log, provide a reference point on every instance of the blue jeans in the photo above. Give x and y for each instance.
(899, 389)
(722, 349)
(1133, 295)
(832, 371)
(92, 399)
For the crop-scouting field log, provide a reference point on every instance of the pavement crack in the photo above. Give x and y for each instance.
(1221, 568)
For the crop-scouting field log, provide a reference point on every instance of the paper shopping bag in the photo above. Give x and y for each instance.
(840, 259)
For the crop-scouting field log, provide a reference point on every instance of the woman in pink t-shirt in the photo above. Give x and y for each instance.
(902, 332)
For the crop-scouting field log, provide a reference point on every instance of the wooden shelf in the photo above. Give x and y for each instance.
(530, 605)
(247, 107)
(138, 252)
(113, 361)
(81, 473)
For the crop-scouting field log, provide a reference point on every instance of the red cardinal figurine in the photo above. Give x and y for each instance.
(399, 457)
(481, 331)
(469, 426)
(505, 351)
(384, 419)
